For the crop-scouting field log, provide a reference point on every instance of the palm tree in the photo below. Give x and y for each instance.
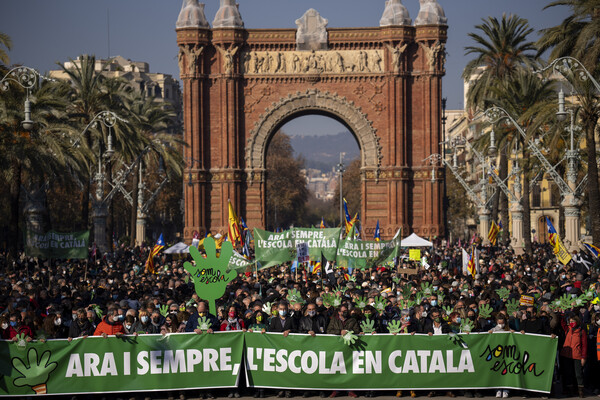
(85, 102)
(532, 102)
(151, 121)
(6, 42)
(502, 47)
(579, 36)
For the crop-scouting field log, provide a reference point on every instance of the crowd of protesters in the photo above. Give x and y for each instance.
(115, 296)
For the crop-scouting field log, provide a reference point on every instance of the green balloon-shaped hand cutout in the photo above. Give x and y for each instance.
(209, 274)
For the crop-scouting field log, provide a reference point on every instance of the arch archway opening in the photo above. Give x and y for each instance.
(302, 177)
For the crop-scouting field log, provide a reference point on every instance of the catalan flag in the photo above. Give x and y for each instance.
(592, 249)
(559, 249)
(349, 221)
(377, 235)
(493, 233)
(346, 277)
(234, 226)
(317, 267)
(471, 268)
(322, 226)
(160, 244)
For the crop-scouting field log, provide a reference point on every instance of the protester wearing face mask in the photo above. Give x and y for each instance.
(501, 326)
(129, 325)
(258, 322)
(573, 354)
(110, 325)
(7, 332)
(171, 324)
(233, 321)
(312, 322)
(455, 321)
(80, 326)
(143, 322)
(282, 322)
(202, 312)
(19, 327)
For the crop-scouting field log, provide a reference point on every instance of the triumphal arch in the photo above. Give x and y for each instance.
(383, 83)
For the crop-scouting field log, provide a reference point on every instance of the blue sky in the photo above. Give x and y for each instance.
(45, 32)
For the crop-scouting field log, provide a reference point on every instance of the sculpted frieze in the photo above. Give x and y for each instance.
(312, 62)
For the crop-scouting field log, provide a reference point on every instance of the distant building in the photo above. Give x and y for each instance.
(157, 85)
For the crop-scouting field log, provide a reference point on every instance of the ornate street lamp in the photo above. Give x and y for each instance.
(27, 78)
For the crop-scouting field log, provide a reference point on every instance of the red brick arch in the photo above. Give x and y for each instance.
(383, 83)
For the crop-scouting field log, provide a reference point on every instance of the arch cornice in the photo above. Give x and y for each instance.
(313, 100)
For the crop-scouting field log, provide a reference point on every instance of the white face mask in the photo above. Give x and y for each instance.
(57, 321)
(596, 307)
(116, 318)
(127, 327)
(501, 326)
(5, 326)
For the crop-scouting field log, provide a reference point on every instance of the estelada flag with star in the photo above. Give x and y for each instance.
(160, 244)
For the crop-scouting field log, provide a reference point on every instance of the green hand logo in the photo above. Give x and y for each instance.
(485, 311)
(447, 310)
(406, 292)
(37, 373)
(294, 297)
(21, 341)
(394, 326)
(467, 326)
(349, 338)
(209, 274)
(503, 293)
(361, 302)
(367, 326)
(440, 297)
(203, 324)
(512, 306)
(164, 310)
(426, 288)
(328, 299)
(379, 304)
(97, 310)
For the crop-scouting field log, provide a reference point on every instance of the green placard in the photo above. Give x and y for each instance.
(273, 248)
(57, 245)
(191, 361)
(131, 364)
(387, 362)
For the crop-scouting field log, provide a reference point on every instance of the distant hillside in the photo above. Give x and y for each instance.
(323, 152)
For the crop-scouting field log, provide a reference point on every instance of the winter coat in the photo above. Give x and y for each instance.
(575, 346)
(109, 328)
(336, 326)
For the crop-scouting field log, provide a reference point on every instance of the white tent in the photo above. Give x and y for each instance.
(179, 248)
(415, 241)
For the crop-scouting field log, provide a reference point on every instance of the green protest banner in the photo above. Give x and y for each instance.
(240, 264)
(387, 362)
(358, 253)
(57, 245)
(273, 248)
(130, 364)
(191, 361)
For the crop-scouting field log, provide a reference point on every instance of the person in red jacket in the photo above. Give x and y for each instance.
(110, 325)
(573, 353)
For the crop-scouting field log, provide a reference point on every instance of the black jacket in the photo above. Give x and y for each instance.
(78, 329)
(277, 325)
(317, 324)
(428, 327)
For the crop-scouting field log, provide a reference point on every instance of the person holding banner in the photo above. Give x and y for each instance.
(312, 322)
(110, 325)
(573, 354)
(501, 326)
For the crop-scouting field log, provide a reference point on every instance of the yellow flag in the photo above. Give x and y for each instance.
(234, 226)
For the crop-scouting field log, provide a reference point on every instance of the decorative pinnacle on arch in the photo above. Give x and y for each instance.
(192, 15)
(431, 13)
(228, 15)
(395, 14)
